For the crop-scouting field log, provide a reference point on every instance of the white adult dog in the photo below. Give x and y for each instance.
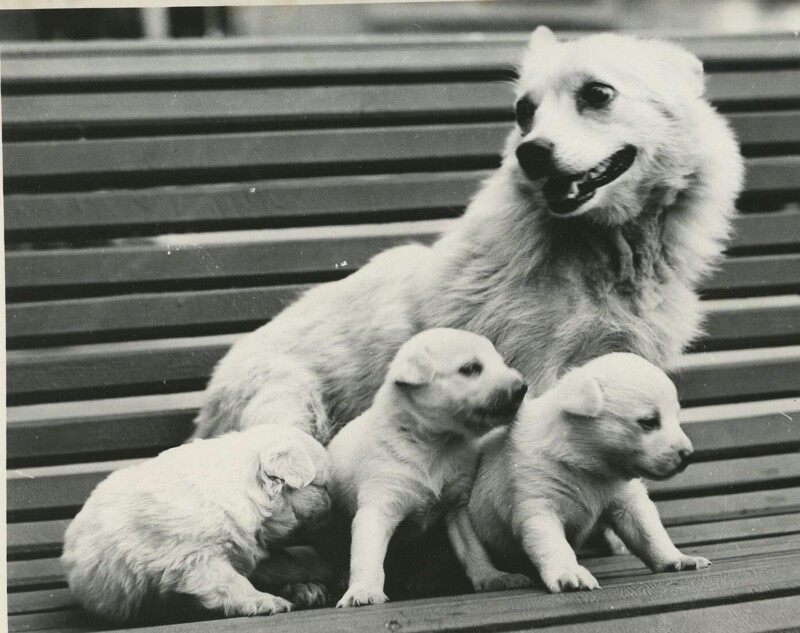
(613, 200)
(413, 454)
(574, 456)
(191, 525)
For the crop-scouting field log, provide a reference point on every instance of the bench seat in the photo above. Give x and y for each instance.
(163, 198)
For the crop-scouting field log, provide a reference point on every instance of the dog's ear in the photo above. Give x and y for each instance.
(413, 368)
(541, 37)
(287, 463)
(682, 69)
(583, 396)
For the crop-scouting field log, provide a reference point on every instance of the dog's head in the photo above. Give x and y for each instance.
(624, 411)
(457, 381)
(601, 121)
(295, 469)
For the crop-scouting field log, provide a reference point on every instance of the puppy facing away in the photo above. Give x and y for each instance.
(575, 456)
(612, 202)
(193, 523)
(412, 455)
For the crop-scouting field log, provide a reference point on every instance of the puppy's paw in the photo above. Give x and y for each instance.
(501, 581)
(359, 595)
(266, 604)
(576, 578)
(307, 595)
(685, 562)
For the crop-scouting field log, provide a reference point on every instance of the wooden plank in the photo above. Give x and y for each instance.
(58, 491)
(724, 584)
(278, 201)
(273, 253)
(309, 106)
(749, 47)
(71, 621)
(729, 322)
(263, 154)
(40, 601)
(33, 576)
(702, 377)
(761, 616)
(715, 376)
(730, 475)
(751, 321)
(289, 200)
(35, 540)
(286, 65)
(767, 273)
(729, 506)
(745, 428)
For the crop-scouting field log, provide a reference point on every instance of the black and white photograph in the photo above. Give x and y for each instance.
(430, 317)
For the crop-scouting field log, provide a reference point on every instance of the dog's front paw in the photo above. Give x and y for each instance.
(576, 578)
(501, 581)
(265, 605)
(358, 595)
(307, 595)
(684, 562)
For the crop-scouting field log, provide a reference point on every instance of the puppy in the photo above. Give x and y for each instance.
(612, 202)
(413, 454)
(195, 521)
(575, 456)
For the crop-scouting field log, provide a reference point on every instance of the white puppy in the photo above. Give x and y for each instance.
(413, 454)
(195, 521)
(574, 456)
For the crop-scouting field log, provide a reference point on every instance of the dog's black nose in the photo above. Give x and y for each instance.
(535, 158)
(685, 455)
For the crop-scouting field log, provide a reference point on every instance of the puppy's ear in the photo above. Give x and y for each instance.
(287, 463)
(682, 69)
(414, 368)
(583, 396)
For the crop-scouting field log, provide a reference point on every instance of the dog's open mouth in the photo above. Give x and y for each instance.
(566, 192)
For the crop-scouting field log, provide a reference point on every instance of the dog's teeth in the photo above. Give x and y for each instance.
(574, 190)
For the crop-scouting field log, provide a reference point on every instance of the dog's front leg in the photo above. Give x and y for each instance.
(636, 520)
(483, 575)
(544, 541)
(373, 527)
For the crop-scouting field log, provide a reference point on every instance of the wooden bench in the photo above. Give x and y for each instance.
(161, 199)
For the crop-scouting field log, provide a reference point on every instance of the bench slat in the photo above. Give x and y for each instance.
(291, 65)
(330, 250)
(172, 362)
(290, 200)
(58, 491)
(259, 154)
(308, 106)
(725, 583)
(730, 322)
(145, 425)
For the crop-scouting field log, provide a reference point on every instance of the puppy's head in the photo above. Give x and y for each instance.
(623, 411)
(294, 469)
(456, 381)
(602, 121)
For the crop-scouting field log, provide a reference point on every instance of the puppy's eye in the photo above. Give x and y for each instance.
(596, 94)
(651, 423)
(471, 369)
(525, 111)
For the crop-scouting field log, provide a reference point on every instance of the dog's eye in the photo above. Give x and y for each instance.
(471, 369)
(596, 94)
(525, 111)
(651, 423)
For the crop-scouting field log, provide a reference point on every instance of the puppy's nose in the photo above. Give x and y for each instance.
(685, 455)
(535, 158)
(518, 392)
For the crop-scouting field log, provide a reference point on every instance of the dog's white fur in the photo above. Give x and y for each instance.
(196, 520)
(549, 292)
(574, 456)
(412, 455)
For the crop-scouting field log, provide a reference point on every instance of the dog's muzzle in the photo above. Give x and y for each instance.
(564, 193)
